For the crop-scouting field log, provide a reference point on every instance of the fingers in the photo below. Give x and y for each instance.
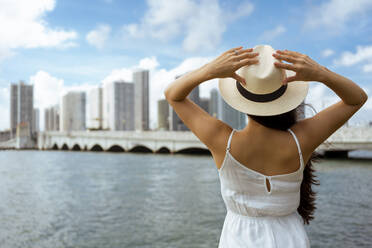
(290, 53)
(285, 57)
(285, 66)
(233, 49)
(290, 79)
(247, 61)
(247, 54)
(238, 78)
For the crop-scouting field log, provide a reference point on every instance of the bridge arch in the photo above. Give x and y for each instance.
(163, 150)
(116, 148)
(64, 147)
(55, 147)
(76, 147)
(194, 150)
(141, 149)
(97, 148)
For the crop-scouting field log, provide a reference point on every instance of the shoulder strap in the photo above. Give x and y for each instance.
(229, 141)
(298, 147)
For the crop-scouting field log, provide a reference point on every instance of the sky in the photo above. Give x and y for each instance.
(66, 45)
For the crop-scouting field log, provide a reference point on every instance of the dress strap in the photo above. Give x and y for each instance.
(229, 141)
(298, 147)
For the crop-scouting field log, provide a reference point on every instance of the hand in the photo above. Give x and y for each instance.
(306, 69)
(230, 61)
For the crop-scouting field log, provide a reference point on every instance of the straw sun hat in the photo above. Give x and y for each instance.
(264, 94)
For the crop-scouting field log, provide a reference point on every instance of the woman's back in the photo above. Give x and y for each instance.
(266, 150)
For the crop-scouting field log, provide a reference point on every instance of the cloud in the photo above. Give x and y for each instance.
(272, 34)
(99, 36)
(22, 25)
(367, 68)
(327, 52)
(334, 14)
(148, 63)
(362, 54)
(200, 24)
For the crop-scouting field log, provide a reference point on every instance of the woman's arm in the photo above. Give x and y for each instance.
(315, 130)
(308, 70)
(204, 126)
(223, 66)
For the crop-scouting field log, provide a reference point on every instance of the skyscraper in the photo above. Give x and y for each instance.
(73, 111)
(229, 115)
(51, 118)
(21, 106)
(141, 99)
(94, 106)
(163, 114)
(213, 103)
(118, 106)
(35, 120)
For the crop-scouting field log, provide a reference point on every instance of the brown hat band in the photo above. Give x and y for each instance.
(261, 97)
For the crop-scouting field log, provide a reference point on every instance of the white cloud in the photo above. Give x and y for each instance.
(148, 63)
(22, 25)
(200, 23)
(362, 54)
(335, 13)
(327, 52)
(99, 36)
(367, 68)
(273, 33)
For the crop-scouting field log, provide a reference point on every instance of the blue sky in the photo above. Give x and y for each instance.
(75, 45)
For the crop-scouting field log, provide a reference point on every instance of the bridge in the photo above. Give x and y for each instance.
(343, 140)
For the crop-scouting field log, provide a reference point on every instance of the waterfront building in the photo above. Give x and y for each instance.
(141, 99)
(94, 107)
(163, 114)
(35, 120)
(73, 111)
(213, 103)
(118, 106)
(21, 106)
(51, 118)
(231, 116)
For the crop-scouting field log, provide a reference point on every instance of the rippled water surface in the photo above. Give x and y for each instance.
(82, 199)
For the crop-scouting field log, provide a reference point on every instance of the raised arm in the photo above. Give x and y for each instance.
(207, 128)
(315, 130)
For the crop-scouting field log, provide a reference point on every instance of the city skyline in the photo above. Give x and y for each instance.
(103, 44)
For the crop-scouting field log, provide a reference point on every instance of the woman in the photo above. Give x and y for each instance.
(265, 169)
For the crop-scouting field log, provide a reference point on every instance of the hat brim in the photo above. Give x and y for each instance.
(293, 96)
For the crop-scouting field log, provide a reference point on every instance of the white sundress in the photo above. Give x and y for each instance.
(257, 217)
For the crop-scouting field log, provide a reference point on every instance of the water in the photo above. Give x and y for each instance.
(82, 199)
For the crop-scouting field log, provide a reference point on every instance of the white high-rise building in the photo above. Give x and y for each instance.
(141, 99)
(51, 118)
(73, 111)
(94, 106)
(21, 106)
(118, 106)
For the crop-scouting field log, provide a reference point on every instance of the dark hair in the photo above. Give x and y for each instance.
(283, 122)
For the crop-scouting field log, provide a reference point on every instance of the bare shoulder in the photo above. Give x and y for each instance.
(313, 131)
